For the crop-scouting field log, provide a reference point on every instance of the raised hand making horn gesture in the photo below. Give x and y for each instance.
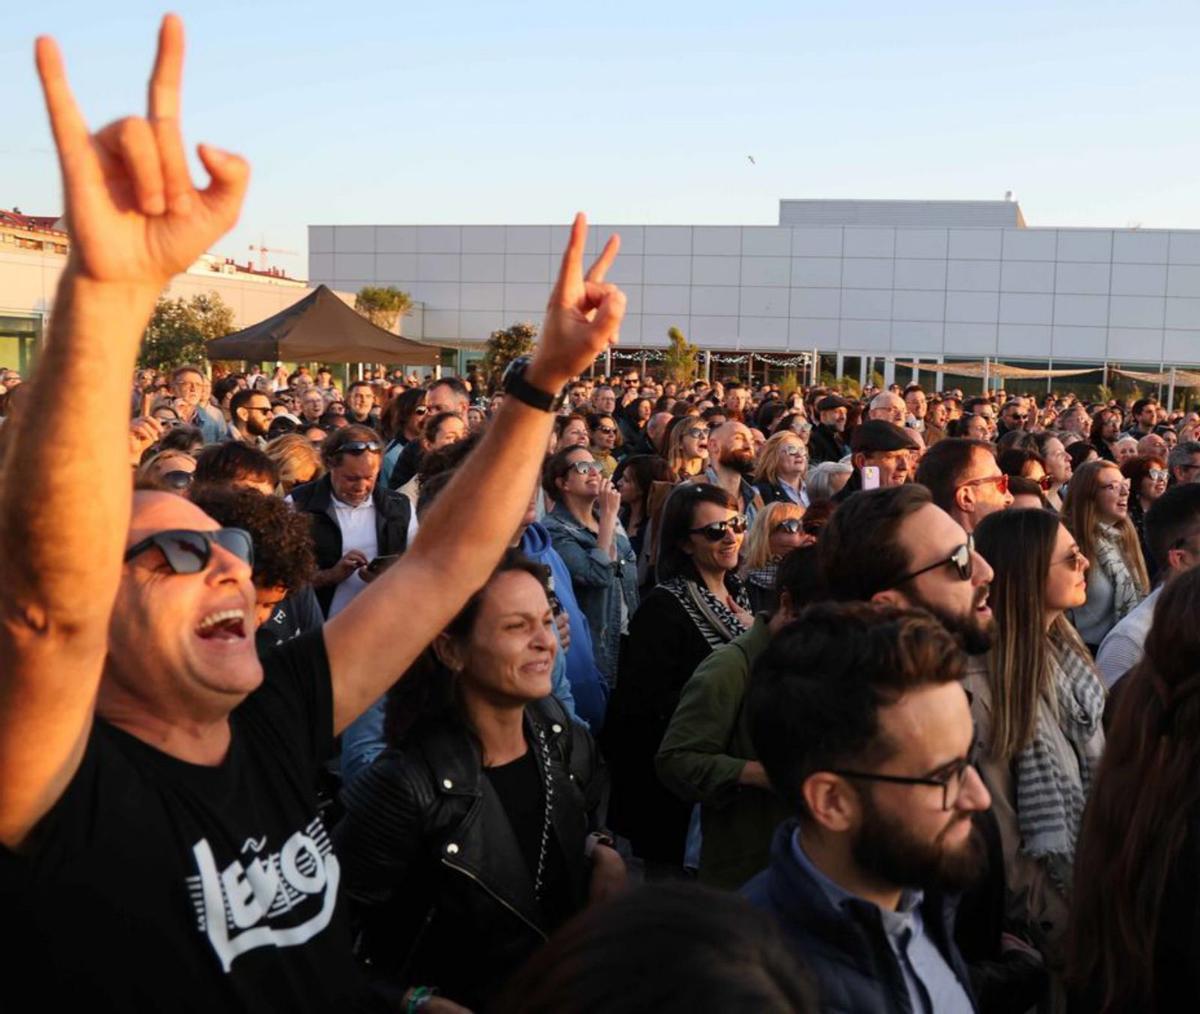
(132, 211)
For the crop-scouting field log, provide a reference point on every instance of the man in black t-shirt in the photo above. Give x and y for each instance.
(160, 845)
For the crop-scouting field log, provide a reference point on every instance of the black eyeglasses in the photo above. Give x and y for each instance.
(950, 779)
(359, 446)
(715, 531)
(790, 525)
(188, 552)
(962, 560)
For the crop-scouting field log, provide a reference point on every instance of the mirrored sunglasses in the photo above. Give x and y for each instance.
(189, 552)
(715, 531)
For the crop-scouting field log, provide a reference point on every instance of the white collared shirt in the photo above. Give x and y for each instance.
(357, 525)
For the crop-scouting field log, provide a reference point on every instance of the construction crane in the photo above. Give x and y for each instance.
(263, 250)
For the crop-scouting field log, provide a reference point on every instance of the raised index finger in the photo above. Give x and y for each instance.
(167, 78)
(66, 121)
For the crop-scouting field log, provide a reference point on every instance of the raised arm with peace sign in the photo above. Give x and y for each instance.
(132, 211)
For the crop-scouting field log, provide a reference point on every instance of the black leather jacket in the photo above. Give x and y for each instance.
(441, 892)
(392, 513)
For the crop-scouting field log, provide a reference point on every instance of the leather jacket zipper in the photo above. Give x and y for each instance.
(467, 873)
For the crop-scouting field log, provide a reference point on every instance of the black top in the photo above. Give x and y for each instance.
(297, 614)
(154, 884)
(519, 786)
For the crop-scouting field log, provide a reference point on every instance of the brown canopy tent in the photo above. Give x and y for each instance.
(322, 328)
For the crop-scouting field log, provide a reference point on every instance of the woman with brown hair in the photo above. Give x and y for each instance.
(1038, 703)
(1147, 475)
(1134, 937)
(1096, 511)
(687, 447)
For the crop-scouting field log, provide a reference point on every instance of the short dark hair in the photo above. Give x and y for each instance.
(1013, 460)
(859, 552)
(677, 518)
(970, 403)
(799, 574)
(183, 368)
(435, 422)
(816, 692)
(360, 383)
(181, 438)
(556, 467)
(228, 383)
(243, 396)
(944, 464)
(697, 949)
(1173, 516)
(1141, 403)
(233, 460)
(331, 450)
(455, 385)
(283, 544)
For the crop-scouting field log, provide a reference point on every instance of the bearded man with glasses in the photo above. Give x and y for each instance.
(160, 839)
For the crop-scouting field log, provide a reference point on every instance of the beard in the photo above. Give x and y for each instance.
(737, 460)
(887, 850)
(974, 638)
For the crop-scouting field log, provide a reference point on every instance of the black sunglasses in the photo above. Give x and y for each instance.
(962, 560)
(188, 552)
(715, 531)
(790, 525)
(359, 446)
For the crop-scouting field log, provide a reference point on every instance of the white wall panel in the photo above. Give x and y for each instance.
(913, 336)
(438, 267)
(819, 243)
(1138, 247)
(1024, 339)
(973, 307)
(1135, 343)
(916, 274)
(528, 268)
(671, 299)
(439, 239)
(866, 335)
(975, 244)
(669, 239)
(395, 266)
(1084, 245)
(1029, 244)
(869, 243)
(477, 325)
(764, 332)
(482, 267)
(1185, 248)
(320, 267)
(722, 240)
(866, 304)
(764, 302)
(1138, 279)
(354, 265)
(1183, 313)
(867, 272)
(765, 271)
(1027, 276)
(922, 243)
(354, 239)
(667, 270)
(766, 241)
(715, 330)
(477, 239)
(817, 271)
(1077, 342)
(716, 270)
(927, 306)
(320, 239)
(973, 276)
(1079, 278)
(1136, 311)
(527, 239)
(1074, 311)
(964, 338)
(481, 296)
(715, 300)
(1026, 308)
(824, 303)
(396, 238)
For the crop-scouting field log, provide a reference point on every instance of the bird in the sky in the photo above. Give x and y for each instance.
(751, 158)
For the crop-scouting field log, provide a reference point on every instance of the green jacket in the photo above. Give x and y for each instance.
(706, 746)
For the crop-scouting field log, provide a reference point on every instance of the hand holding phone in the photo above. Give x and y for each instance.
(870, 477)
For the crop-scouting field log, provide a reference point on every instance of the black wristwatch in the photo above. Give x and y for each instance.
(514, 383)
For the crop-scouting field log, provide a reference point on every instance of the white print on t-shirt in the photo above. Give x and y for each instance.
(235, 906)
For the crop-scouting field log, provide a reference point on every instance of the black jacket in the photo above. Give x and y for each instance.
(392, 514)
(826, 444)
(772, 492)
(845, 949)
(442, 892)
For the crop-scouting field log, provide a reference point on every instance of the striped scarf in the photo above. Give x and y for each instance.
(713, 618)
(1050, 801)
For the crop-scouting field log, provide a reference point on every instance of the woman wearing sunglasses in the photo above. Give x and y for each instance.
(605, 437)
(1147, 476)
(777, 530)
(1038, 703)
(687, 447)
(1096, 511)
(588, 536)
(698, 605)
(781, 470)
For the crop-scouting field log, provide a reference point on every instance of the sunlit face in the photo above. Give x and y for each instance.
(1124, 449)
(312, 405)
(1154, 484)
(580, 481)
(916, 404)
(793, 460)
(893, 466)
(353, 477)
(604, 436)
(442, 398)
(782, 541)
(977, 428)
(604, 400)
(508, 657)
(1058, 461)
(188, 387)
(574, 434)
(1112, 495)
(451, 431)
(834, 418)
(181, 644)
(361, 401)
(1066, 580)
(709, 556)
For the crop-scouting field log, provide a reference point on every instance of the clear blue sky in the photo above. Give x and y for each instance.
(373, 112)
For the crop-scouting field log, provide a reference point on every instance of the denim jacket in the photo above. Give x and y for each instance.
(598, 581)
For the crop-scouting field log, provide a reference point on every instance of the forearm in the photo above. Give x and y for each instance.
(65, 498)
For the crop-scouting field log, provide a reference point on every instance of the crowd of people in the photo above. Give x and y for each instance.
(559, 691)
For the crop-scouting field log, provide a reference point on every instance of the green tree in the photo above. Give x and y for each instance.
(505, 346)
(180, 329)
(383, 305)
(681, 361)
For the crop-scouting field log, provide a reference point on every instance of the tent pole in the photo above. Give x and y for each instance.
(1171, 392)
(986, 378)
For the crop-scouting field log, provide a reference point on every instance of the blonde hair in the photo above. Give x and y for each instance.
(147, 475)
(294, 456)
(758, 542)
(767, 469)
(1081, 517)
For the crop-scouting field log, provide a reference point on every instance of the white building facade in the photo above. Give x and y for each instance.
(862, 282)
